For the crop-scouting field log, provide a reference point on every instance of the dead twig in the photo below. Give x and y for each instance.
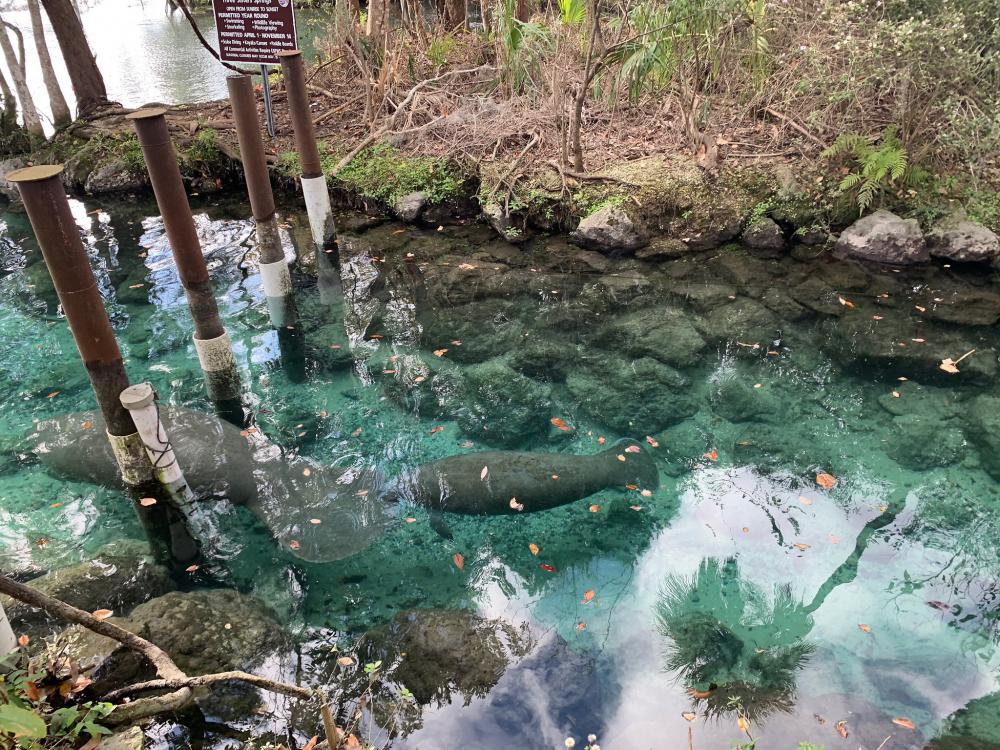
(506, 175)
(594, 176)
(795, 126)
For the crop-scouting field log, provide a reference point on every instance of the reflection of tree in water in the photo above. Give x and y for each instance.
(738, 648)
(729, 639)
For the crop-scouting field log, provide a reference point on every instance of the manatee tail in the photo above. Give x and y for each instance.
(638, 468)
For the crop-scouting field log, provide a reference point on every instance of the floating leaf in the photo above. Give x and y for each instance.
(87, 425)
(484, 473)
(948, 365)
(356, 433)
(646, 493)
(805, 500)
(594, 508)
(533, 548)
(23, 640)
(620, 457)
(315, 521)
(53, 394)
(905, 723)
(190, 568)
(411, 519)
(102, 614)
(741, 721)
(841, 727)
(876, 317)
(801, 546)
(581, 626)
(633, 449)
(440, 352)
(920, 308)
(555, 476)
(635, 507)
(459, 560)
(864, 628)
(846, 303)
(514, 504)
(306, 472)
(826, 481)
(146, 502)
(699, 695)
(588, 596)
(436, 430)
(294, 544)
(896, 394)
(631, 486)
(918, 341)
(689, 715)
(548, 568)
(712, 455)
(345, 661)
(652, 442)
(560, 424)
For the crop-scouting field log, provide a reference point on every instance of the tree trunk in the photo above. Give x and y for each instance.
(454, 14)
(522, 11)
(15, 64)
(60, 110)
(9, 102)
(88, 83)
(376, 18)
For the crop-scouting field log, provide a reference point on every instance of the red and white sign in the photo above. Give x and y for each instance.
(254, 31)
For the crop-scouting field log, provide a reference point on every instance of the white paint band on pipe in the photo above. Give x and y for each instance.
(276, 279)
(8, 642)
(130, 454)
(317, 198)
(215, 355)
(140, 401)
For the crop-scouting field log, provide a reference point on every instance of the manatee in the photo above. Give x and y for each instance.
(327, 513)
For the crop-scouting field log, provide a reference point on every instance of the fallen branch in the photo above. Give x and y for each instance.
(171, 675)
(506, 175)
(594, 176)
(795, 126)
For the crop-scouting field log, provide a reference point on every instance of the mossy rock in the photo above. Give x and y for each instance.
(664, 333)
(919, 442)
(502, 407)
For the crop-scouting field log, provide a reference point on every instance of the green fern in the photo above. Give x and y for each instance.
(879, 163)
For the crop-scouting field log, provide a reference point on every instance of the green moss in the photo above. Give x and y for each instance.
(203, 156)
(287, 164)
(380, 172)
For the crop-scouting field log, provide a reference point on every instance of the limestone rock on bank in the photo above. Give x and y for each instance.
(956, 238)
(8, 189)
(119, 577)
(883, 237)
(764, 235)
(610, 229)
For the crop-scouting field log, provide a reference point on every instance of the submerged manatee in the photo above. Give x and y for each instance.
(331, 512)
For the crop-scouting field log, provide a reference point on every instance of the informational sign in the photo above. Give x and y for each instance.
(254, 31)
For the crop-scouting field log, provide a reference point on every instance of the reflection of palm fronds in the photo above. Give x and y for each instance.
(725, 636)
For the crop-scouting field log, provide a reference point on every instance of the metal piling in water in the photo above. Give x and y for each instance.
(215, 351)
(314, 189)
(55, 228)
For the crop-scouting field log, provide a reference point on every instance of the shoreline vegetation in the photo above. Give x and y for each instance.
(694, 120)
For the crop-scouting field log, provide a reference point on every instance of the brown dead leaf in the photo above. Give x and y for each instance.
(306, 472)
(23, 640)
(345, 661)
(601, 440)
(689, 715)
(560, 424)
(801, 546)
(864, 628)
(826, 481)
(633, 449)
(436, 430)
(102, 614)
(594, 509)
(87, 425)
(411, 519)
(742, 722)
(699, 695)
(147, 502)
(534, 548)
(846, 303)
(484, 473)
(459, 560)
(190, 568)
(581, 626)
(620, 457)
(315, 521)
(905, 723)
(588, 596)
(294, 544)
(652, 442)
(841, 727)
(440, 352)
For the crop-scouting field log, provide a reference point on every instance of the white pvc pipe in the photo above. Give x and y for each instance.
(140, 401)
(8, 641)
(317, 198)
(215, 355)
(276, 279)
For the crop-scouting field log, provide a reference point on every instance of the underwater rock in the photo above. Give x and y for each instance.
(983, 419)
(701, 296)
(918, 442)
(409, 206)
(484, 329)
(544, 358)
(972, 727)
(609, 229)
(663, 248)
(735, 265)
(626, 287)
(735, 399)
(423, 387)
(938, 404)
(958, 238)
(357, 222)
(119, 577)
(634, 398)
(963, 306)
(115, 177)
(883, 237)
(682, 446)
(744, 321)
(328, 346)
(502, 407)
(782, 304)
(764, 236)
(819, 296)
(505, 224)
(8, 189)
(664, 333)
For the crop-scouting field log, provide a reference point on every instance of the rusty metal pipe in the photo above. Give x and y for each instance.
(251, 147)
(55, 228)
(165, 176)
(293, 70)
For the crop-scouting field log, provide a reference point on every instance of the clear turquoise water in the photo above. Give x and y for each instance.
(904, 544)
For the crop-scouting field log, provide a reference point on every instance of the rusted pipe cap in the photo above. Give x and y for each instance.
(290, 53)
(34, 174)
(146, 114)
(137, 396)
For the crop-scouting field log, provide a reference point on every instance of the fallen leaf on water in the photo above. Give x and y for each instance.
(631, 486)
(883, 508)
(294, 544)
(53, 394)
(581, 626)
(876, 317)
(948, 365)
(826, 481)
(356, 433)
(419, 379)
(864, 628)
(560, 424)
(315, 521)
(896, 394)
(594, 509)
(841, 727)
(484, 473)
(436, 430)
(345, 661)
(635, 507)
(601, 440)
(87, 425)
(819, 719)
(548, 568)
(633, 449)
(918, 341)
(805, 500)
(834, 539)
(712, 455)
(801, 546)
(903, 722)
(902, 379)
(533, 548)
(388, 372)
(690, 715)
(646, 493)
(620, 457)
(758, 385)
(555, 476)
(411, 519)
(459, 560)
(56, 505)
(920, 309)
(741, 721)
(42, 542)
(147, 502)
(456, 342)
(846, 303)
(190, 568)
(399, 231)
(746, 529)
(311, 743)
(943, 606)
(466, 444)
(439, 352)
(102, 614)
(516, 505)
(23, 640)
(136, 286)
(652, 442)
(588, 596)
(306, 472)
